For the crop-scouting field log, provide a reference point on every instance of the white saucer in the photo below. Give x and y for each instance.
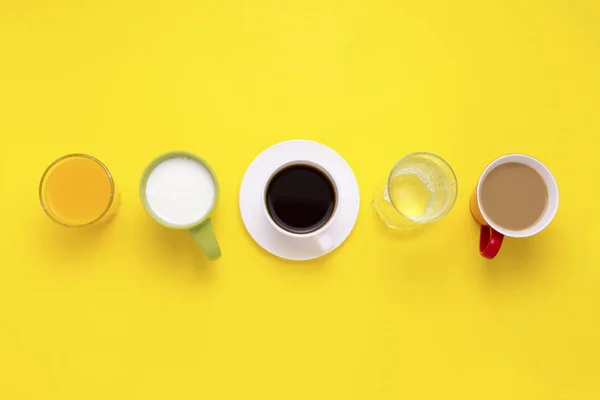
(252, 201)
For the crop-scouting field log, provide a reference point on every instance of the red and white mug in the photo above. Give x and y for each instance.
(492, 235)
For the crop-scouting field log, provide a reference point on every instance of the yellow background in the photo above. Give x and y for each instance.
(135, 311)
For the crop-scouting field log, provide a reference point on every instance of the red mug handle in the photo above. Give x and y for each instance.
(490, 242)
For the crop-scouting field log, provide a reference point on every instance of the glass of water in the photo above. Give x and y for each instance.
(421, 189)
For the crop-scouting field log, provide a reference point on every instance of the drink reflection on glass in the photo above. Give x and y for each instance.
(78, 190)
(420, 189)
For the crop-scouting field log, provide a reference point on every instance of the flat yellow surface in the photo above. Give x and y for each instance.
(134, 311)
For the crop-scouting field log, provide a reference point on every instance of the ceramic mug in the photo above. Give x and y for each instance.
(178, 178)
(491, 234)
(318, 234)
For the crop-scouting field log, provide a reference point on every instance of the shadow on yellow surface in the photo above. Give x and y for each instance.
(174, 252)
(519, 263)
(70, 246)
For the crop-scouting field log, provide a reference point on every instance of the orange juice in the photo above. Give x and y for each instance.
(77, 190)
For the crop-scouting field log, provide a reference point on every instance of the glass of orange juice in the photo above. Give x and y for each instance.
(77, 190)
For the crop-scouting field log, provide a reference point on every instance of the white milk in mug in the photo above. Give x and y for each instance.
(180, 190)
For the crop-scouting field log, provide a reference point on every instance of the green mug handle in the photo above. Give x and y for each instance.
(205, 236)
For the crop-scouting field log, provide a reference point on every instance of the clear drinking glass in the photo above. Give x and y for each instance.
(420, 189)
(78, 190)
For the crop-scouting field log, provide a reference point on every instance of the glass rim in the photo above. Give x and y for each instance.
(48, 209)
(444, 162)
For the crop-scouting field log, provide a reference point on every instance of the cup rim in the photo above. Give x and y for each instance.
(48, 209)
(160, 159)
(444, 162)
(551, 185)
(294, 234)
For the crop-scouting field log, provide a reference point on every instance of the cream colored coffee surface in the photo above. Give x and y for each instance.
(514, 196)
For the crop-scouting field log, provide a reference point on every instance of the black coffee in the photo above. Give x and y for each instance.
(300, 198)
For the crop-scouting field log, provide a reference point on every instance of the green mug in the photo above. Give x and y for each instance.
(179, 190)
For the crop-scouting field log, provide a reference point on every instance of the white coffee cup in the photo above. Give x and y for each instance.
(319, 235)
